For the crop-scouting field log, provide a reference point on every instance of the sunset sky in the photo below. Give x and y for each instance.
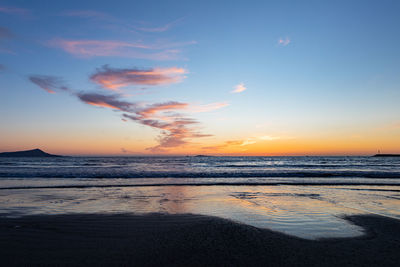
(200, 77)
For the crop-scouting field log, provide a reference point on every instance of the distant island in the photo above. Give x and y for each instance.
(386, 155)
(28, 153)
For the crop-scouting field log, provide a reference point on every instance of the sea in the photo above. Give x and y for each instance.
(308, 197)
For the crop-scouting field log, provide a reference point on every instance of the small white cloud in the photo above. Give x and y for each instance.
(248, 142)
(269, 138)
(284, 41)
(239, 88)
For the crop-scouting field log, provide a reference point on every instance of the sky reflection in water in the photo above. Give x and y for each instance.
(306, 211)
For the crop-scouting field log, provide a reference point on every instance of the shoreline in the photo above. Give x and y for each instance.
(185, 240)
(200, 184)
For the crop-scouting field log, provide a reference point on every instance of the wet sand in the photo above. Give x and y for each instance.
(185, 240)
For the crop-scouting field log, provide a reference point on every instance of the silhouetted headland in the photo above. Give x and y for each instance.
(28, 153)
(386, 155)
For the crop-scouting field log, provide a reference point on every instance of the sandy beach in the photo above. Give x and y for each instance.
(185, 240)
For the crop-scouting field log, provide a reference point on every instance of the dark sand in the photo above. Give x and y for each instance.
(185, 240)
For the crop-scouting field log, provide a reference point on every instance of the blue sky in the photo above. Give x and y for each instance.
(315, 73)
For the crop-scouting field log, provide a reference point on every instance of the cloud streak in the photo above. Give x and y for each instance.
(50, 84)
(14, 10)
(88, 14)
(107, 48)
(239, 88)
(107, 101)
(163, 28)
(269, 138)
(153, 109)
(226, 144)
(241, 143)
(207, 107)
(101, 16)
(113, 78)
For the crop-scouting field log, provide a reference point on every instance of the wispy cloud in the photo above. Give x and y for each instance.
(269, 138)
(162, 28)
(207, 107)
(151, 49)
(176, 129)
(113, 78)
(153, 109)
(118, 22)
(230, 143)
(107, 101)
(2, 67)
(14, 10)
(241, 143)
(50, 84)
(249, 141)
(106, 48)
(88, 14)
(239, 88)
(284, 41)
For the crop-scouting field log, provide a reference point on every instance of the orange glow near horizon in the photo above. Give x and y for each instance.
(88, 145)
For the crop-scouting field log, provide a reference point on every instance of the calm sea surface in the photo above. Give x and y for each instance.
(303, 196)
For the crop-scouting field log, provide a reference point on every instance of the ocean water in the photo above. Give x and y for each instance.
(303, 196)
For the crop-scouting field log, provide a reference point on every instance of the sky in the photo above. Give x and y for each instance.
(200, 77)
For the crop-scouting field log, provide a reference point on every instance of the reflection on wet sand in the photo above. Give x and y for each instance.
(308, 212)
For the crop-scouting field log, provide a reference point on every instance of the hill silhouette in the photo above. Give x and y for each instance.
(28, 153)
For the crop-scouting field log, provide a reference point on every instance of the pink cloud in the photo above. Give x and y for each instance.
(113, 79)
(107, 48)
(151, 110)
(284, 41)
(176, 130)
